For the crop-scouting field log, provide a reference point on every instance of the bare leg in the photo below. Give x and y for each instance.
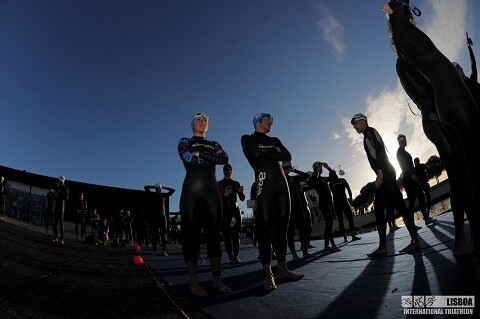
(195, 287)
(217, 281)
(269, 280)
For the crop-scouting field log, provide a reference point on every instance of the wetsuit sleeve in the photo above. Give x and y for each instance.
(241, 195)
(331, 174)
(301, 176)
(284, 155)
(474, 75)
(169, 192)
(253, 150)
(376, 150)
(148, 188)
(345, 183)
(187, 156)
(218, 158)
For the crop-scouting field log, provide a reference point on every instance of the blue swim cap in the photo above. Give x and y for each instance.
(259, 116)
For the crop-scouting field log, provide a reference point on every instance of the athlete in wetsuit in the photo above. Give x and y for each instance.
(455, 106)
(325, 202)
(410, 180)
(273, 199)
(386, 188)
(200, 202)
(297, 212)
(61, 197)
(422, 172)
(157, 216)
(418, 88)
(232, 218)
(338, 186)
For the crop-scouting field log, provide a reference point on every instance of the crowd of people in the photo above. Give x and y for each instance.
(209, 210)
(278, 208)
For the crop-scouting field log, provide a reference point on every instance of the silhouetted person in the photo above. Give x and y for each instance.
(81, 209)
(157, 216)
(338, 187)
(411, 182)
(232, 218)
(297, 212)
(386, 188)
(61, 197)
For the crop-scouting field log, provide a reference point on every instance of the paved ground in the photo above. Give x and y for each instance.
(39, 279)
(338, 285)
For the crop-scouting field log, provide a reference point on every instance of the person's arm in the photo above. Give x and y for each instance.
(148, 188)
(169, 190)
(331, 173)
(301, 176)
(220, 157)
(253, 150)
(189, 158)
(240, 193)
(348, 188)
(474, 75)
(283, 154)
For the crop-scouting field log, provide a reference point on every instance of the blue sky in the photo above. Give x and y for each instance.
(102, 91)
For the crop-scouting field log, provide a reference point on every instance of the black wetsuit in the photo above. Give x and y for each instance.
(297, 214)
(422, 172)
(388, 192)
(61, 197)
(412, 188)
(157, 217)
(420, 91)
(81, 210)
(200, 202)
(273, 197)
(325, 202)
(454, 104)
(232, 219)
(338, 186)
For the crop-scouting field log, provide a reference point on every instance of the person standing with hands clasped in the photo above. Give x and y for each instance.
(200, 202)
(272, 197)
(386, 188)
(232, 218)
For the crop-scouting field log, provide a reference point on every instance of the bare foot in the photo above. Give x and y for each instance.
(197, 290)
(269, 284)
(287, 274)
(220, 286)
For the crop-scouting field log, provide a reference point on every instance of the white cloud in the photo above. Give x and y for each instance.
(446, 26)
(336, 136)
(332, 31)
